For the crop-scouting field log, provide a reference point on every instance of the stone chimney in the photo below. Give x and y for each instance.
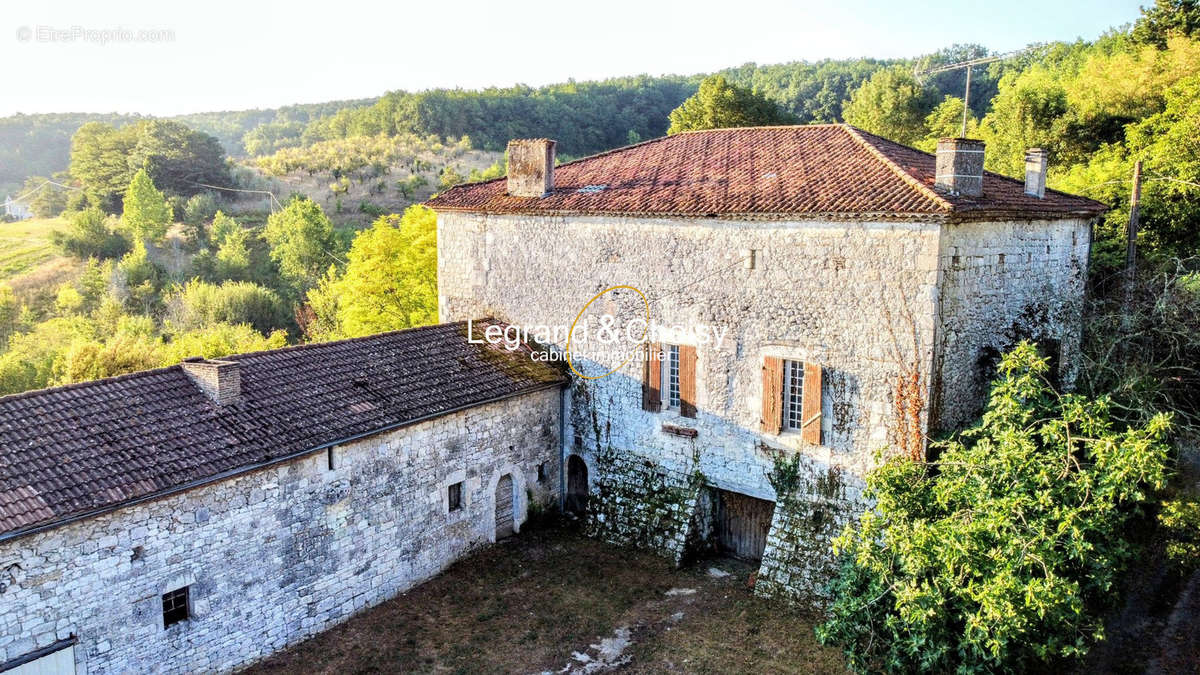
(530, 167)
(1035, 172)
(960, 166)
(219, 380)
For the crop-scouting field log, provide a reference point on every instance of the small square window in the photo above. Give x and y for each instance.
(454, 493)
(542, 472)
(175, 606)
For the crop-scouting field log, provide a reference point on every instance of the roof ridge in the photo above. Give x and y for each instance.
(8, 398)
(815, 125)
(928, 192)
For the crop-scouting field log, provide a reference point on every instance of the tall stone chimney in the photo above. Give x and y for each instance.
(219, 380)
(530, 167)
(960, 166)
(1035, 172)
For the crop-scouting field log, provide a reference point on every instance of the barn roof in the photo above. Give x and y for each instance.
(87, 448)
(819, 170)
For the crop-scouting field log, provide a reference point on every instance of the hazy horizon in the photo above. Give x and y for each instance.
(161, 59)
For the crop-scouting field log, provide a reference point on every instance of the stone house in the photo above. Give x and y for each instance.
(864, 290)
(798, 286)
(16, 210)
(199, 517)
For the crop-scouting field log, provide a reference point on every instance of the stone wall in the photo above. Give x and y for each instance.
(1002, 283)
(846, 295)
(276, 555)
(863, 299)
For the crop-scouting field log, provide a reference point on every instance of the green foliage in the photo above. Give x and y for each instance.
(891, 104)
(1167, 18)
(1141, 346)
(1179, 522)
(999, 555)
(302, 242)
(178, 160)
(449, 178)
(140, 278)
(719, 104)
(10, 312)
(91, 234)
(945, 121)
(47, 200)
(147, 214)
(199, 304)
(198, 212)
(390, 281)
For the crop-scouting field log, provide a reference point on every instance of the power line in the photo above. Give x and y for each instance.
(39, 187)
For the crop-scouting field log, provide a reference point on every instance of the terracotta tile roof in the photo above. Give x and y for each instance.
(827, 170)
(90, 447)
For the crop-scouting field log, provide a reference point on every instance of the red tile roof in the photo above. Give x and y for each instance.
(87, 448)
(825, 170)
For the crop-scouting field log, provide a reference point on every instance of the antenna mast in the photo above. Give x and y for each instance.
(965, 64)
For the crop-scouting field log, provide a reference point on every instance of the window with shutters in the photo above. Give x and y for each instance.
(793, 395)
(670, 376)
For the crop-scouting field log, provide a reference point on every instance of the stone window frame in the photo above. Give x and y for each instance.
(183, 581)
(455, 477)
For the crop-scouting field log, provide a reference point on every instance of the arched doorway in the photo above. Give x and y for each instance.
(577, 485)
(505, 502)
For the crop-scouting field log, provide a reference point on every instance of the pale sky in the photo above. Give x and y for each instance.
(230, 55)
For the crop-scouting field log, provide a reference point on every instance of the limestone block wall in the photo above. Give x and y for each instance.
(1002, 282)
(849, 296)
(274, 556)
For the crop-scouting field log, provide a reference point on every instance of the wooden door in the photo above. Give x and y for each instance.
(504, 507)
(742, 523)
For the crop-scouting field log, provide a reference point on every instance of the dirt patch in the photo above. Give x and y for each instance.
(555, 602)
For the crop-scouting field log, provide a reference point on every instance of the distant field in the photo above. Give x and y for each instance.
(26, 245)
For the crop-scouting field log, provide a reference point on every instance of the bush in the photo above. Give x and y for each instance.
(199, 304)
(1179, 522)
(92, 234)
(1002, 554)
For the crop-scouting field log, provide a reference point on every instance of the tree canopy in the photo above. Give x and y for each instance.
(719, 104)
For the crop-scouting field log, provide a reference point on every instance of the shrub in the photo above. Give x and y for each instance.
(1179, 521)
(1000, 555)
(91, 235)
(233, 302)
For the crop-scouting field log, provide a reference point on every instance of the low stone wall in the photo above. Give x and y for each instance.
(277, 555)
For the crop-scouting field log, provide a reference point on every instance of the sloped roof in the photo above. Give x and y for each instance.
(826, 170)
(90, 447)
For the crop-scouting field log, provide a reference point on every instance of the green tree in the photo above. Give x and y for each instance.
(199, 304)
(302, 242)
(198, 212)
(47, 200)
(91, 234)
(390, 281)
(1167, 18)
(449, 178)
(945, 121)
(719, 104)
(139, 279)
(10, 311)
(891, 104)
(999, 556)
(147, 214)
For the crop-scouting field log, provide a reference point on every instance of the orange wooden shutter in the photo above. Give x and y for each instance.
(772, 394)
(651, 379)
(687, 380)
(810, 407)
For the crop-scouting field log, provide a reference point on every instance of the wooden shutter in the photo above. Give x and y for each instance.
(651, 379)
(772, 394)
(810, 407)
(687, 380)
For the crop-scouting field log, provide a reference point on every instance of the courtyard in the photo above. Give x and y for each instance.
(552, 601)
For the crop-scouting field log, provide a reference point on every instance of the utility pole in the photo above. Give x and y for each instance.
(1131, 231)
(966, 64)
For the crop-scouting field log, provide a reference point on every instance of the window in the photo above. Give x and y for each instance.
(670, 376)
(542, 472)
(793, 395)
(455, 496)
(175, 606)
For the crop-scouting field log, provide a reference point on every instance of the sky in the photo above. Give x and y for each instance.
(163, 58)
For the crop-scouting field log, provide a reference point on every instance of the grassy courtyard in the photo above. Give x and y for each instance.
(553, 601)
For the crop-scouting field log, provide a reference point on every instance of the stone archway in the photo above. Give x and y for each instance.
(577, 485)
